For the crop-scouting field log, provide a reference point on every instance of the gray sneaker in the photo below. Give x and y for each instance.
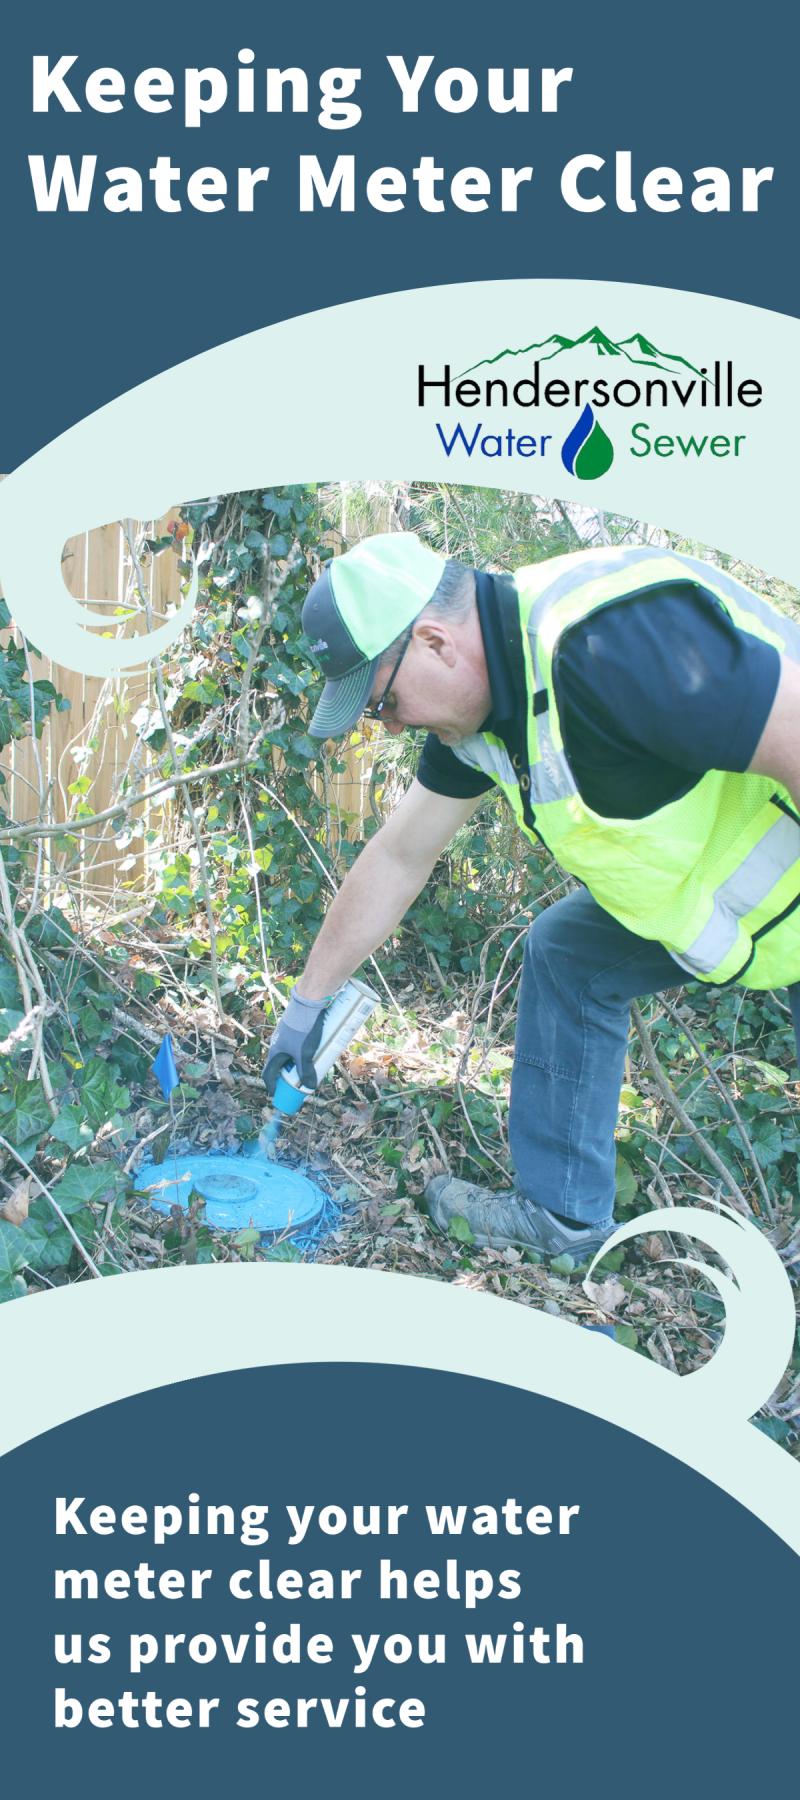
(500, 1220)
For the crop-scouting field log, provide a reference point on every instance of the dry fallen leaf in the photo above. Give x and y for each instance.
(15, 1206)
(608, 1294)
(652, 1247)
(456, 1021)
(356, 1120)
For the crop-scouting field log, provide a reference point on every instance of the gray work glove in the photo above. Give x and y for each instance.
(295, 1041)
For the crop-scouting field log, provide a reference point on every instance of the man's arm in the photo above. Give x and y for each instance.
(778, 751)
(390, 872)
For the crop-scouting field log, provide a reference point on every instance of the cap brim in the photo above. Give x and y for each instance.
(343, 701)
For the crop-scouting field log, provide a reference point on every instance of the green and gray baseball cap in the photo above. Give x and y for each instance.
(358, 606)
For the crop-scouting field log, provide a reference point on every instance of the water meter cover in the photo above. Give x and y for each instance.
(237, 1190)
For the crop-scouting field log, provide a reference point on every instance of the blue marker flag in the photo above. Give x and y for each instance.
(164, 1067)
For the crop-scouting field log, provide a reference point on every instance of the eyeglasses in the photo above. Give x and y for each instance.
(377, 711)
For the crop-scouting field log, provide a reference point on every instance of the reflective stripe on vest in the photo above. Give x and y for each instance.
(551, 776)
(748, 888)
(489, 756)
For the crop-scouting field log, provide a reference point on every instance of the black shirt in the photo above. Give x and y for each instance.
(652, 691)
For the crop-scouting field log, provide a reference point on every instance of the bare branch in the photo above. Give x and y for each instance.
(668, 1094)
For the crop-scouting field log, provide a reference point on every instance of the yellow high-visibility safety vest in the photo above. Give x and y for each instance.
(714, 875)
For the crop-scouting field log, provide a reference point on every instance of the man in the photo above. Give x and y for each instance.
(641, 712)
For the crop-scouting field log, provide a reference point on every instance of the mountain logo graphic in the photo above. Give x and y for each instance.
(637, 348)
(588, 451)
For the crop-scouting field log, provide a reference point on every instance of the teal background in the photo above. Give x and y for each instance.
(686, 1604)
(95, 303)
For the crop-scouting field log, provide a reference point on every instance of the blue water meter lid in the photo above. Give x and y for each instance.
(237, 1190)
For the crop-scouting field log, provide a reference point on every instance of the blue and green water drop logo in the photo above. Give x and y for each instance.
(588, 451)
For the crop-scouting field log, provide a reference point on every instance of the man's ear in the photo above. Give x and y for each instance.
(434, 636)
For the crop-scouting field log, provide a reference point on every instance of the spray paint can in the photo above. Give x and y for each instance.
(348, 1011)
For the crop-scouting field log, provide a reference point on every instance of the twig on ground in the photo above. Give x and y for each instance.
(721, 1089)
(351, 1175)
(482, 1147)
(429, 1126)
(668, 1094)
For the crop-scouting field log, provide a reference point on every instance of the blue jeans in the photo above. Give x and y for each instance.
(581, 971)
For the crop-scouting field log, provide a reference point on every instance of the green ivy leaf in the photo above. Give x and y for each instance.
(85, 1185)
(563, 1264)
(101, 1094)
(47, 1245)
(24, 1113)
(625, 1334)
(284, 1252)
(614, 1259)
(626, 1186)
(778, 1077)
(50, 931)
(72, 1128)
(246, 1242)
(12, 1251)
(12, 1287)
(460, 1229)
(767, 1141)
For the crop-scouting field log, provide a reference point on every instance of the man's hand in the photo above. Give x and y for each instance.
(778, 752)
(375, 894)
(294, 1041)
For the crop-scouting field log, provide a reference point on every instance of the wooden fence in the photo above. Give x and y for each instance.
(95, 743)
